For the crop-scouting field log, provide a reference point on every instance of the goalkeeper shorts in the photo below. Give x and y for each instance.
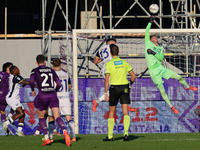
(117, 92)
(160, 72)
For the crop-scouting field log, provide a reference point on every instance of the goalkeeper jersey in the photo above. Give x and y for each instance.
(118, 68)
(150, 58)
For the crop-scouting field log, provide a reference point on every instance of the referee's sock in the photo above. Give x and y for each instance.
(111, 123)
(126, 124)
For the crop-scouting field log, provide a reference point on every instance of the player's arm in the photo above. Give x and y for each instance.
(147, 36)
(25, 82)
(158, 55)
(97, 58)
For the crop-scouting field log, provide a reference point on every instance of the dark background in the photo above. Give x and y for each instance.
(25, 16)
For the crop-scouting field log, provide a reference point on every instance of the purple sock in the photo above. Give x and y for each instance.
(43, 125)
(61, 123)
(38, 127)
(3, 117)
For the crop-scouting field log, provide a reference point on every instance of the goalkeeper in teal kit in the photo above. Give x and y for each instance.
(154, 56)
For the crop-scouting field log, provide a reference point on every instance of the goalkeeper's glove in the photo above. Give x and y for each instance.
(152, 18)
(130, 84)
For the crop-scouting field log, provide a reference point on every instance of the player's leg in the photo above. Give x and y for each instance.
(71, 126)
(61, 124)
(10, 113)
(51, 126)
(58, 118)
(21, 123)
(65, 110)
(3, 120)
(3, 115)
(183, 82)
(165, 97)
(97, 101)
(19, 114)
(41, 102)
(157, 79)
(38, 129)
(101, 98)
(3, 105)
(43, 125)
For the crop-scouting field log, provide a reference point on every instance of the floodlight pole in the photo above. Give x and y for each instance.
(43, 26)
(6, 19)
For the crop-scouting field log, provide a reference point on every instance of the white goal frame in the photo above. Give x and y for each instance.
(107, 31)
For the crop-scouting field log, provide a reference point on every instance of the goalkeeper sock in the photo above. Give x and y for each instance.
(126, 124)
(164, 95)
(180, 79)
(51, 128)
(111, 123)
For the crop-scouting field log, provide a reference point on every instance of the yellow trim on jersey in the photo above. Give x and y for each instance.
(130, 70)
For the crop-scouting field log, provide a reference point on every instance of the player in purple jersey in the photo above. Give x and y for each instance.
(47, 97)
(13, 100)
(4, 78)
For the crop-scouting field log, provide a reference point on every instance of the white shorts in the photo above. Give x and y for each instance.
(14, 103)
(64, 108)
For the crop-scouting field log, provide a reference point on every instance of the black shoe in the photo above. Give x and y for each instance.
(107, 139)
(126, 138)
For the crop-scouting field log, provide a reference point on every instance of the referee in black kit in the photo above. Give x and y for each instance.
(116, 72)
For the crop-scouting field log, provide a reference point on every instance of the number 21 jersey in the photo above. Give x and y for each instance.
(45, 78)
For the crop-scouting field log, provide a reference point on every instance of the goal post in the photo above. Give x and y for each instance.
(178, 42)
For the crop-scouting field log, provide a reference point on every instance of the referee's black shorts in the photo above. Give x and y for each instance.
(117, 92)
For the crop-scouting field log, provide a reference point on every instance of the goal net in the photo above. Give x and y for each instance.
(151, 114)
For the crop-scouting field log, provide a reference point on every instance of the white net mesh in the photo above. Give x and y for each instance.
(151, 113)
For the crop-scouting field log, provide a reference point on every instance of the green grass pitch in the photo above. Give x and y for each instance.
(160, 141)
